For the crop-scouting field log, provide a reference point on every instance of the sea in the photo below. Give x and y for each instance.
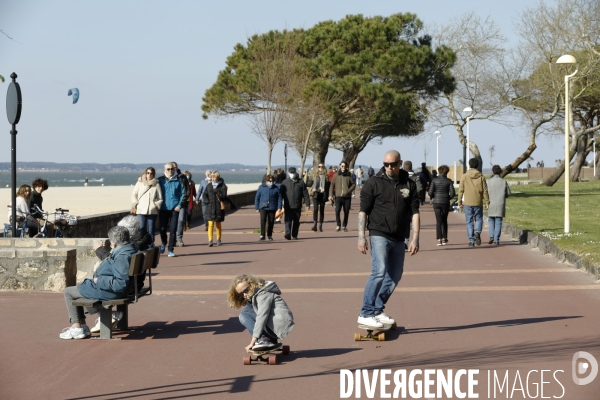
(62, 179)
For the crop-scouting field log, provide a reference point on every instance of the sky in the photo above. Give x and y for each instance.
(142, 68)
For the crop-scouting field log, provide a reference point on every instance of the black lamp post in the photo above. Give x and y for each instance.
(285, 154)
(13, 112)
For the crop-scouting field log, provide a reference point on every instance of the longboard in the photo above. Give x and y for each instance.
(373, 333)
(268, 356)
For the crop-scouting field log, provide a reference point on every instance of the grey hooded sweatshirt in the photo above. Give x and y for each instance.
(272, 311)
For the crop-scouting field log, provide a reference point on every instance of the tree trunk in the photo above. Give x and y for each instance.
(350, 156)
(582, 153)
(305, 152)
(322, 146)
(270, 152)
(597, 158)
(519, 160)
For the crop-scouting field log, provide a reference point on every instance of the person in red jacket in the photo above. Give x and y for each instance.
(190, 206)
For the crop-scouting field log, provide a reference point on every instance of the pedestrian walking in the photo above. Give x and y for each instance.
(319, 192)
(441, 192)
(205, 182)
(190, 208)
(293, 190)
(472, 195)
(388, 202)
(146, 200)
(408, 167)
(214, 194)
(498, 190)
(173, 193)
(184, 205)
(342, 187)
(370, 172)
(267, 202)
(360, 174)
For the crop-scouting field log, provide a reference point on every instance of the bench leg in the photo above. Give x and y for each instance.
(123, 324)
(105, 324)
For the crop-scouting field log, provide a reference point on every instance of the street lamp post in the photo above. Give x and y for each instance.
(567, 59)
(594, 145)
(468, 146)
(437, 150)
(285, 154)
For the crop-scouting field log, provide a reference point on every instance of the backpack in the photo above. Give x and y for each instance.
(417, 180)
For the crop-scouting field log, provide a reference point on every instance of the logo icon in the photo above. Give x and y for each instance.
(582, 367)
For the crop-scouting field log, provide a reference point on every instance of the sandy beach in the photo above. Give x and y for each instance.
(83, 201)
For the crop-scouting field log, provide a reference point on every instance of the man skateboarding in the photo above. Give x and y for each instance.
(388, 203)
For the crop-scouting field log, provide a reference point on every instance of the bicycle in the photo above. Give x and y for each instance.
(64, 223)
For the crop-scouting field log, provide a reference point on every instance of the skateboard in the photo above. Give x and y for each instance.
(379, 334)
(268, 356)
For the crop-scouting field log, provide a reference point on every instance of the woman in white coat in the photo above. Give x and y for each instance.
(146, 200)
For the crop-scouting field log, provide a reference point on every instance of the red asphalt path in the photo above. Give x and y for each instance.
(492, 308)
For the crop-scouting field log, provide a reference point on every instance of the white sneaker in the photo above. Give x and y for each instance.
(96, 328)
(370, 321)
(385, 319)
(72, 333)
(116, 317)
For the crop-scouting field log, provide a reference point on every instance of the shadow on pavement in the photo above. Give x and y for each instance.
(164, 330)
(500, 324)
(316, 353)
(222, 252)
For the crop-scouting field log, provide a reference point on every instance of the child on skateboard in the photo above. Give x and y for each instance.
(264, 312)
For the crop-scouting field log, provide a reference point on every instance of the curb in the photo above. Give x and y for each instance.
(546, 246)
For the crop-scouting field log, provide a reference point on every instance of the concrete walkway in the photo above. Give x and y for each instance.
(499, 308)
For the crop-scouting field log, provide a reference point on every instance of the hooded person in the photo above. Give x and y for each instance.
(341, 188)
(473, 195)
(263, 311)
(293, 190)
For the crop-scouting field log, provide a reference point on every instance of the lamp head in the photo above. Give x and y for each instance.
(468, 111)
(437, 133)
(566, 59)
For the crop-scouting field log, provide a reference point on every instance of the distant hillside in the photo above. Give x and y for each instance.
(124, 167)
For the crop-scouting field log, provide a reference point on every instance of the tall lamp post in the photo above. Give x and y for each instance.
(285, 154)
(438, 134)
(567, 59)
(594, 145)
(14, 103)
(468, 110)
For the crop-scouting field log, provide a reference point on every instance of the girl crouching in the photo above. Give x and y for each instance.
(264, 312)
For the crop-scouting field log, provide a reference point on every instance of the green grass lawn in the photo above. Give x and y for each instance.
(541, 209)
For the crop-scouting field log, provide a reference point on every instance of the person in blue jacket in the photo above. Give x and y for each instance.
(111, 281)
(174, 196)
(267, 202)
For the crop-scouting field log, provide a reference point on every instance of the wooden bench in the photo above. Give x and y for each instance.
(140, 265)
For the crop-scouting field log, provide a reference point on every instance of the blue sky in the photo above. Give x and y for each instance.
(143, 66)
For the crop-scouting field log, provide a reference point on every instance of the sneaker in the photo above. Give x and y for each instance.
(445, 242)
(314, 228)
(337, 228)
(96, 328)
(369, 321)
(270, 238)
(471, 244)
(287, 236)
(210, 244)
(344, 229)
(491, 240)
(162, 249)
(440, 242)
(496, 243)
(477, 238)
(261, 238)
(385, 319)
(179, 243)
(264, 343)
(86, 330)
(295, 238)
(171, 254)
(72, 333)
(219, 242)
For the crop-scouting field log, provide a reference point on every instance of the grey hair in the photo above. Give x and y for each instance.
(118, 235)
(131, 223)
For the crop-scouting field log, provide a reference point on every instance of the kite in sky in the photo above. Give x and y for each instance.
(1, 79)
(75, 93)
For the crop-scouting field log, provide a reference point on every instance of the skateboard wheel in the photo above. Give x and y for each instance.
(285, 350)
(357, 337)
(273, 359)
(247, 360)
(381, 337)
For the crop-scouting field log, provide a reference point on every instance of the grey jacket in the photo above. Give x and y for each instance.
(498, 190)
(272, 311)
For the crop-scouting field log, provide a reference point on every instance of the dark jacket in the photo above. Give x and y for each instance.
(389, 205)
(112, 274)
(186, 188)
(267, 198)
(342, 185)
(370, 172)
(292, 192)
(441, 190)
(36, 199)
(213, 205)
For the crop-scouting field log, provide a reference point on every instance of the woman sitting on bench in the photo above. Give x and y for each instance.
(111, 281)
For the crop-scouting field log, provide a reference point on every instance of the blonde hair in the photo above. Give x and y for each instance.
(237, 300)
(216, 175)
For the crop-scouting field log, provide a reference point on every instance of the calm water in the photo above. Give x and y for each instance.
(58, 179)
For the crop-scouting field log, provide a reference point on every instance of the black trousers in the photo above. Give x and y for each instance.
(441, 218)
(339, 203)
(168, 219)
(292, 221)
(267, 216)
(319, 207)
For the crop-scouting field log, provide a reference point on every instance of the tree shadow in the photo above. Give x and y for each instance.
(226, 263)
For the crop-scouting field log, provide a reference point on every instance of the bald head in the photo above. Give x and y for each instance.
(392, 153)
(391, 163)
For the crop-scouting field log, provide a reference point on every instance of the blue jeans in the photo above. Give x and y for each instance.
(387, 258)
(474, 215)
(359, 182)
(147, 221)
(248, 319)
(495, 228)
(181, 222)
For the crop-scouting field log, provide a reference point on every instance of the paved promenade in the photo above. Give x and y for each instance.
(491, 308)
